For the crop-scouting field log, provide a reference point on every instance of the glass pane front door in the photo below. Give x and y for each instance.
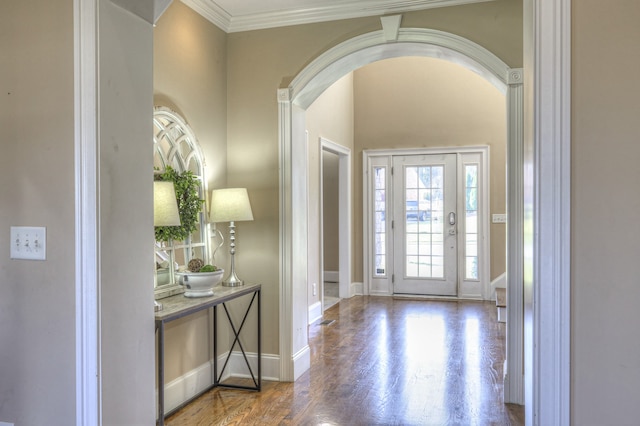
(425, 224)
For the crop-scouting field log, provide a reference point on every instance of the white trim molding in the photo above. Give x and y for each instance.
(315, 312)
(548, 304)
(285, 271)
(87, 252)
(229, 23)
(368, 48)
(294, 341)
(191, 384)
(514, 378)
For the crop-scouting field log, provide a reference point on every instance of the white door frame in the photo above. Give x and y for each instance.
(344, 216)
(547, 206)
(367, 225)
(86, 119)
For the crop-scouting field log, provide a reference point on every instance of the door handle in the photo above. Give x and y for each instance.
(452, 218)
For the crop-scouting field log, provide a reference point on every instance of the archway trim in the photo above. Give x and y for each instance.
(293, 101)
(367, 48)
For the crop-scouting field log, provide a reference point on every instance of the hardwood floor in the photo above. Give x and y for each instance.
(382, 361)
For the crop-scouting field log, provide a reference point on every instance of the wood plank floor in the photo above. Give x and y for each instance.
(382, 361)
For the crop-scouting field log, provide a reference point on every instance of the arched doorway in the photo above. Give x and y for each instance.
(293, 101)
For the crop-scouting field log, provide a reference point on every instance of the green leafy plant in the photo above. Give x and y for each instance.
(189, 204)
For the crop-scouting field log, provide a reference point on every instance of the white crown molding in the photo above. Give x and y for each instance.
(210, 10)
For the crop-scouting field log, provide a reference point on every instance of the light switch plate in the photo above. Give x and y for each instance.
(28, 242)
(499, 218)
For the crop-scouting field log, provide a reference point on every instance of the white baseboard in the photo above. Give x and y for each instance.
(185, 387)
(499, 282)
(315, 312)
(357, 289)
(502, 314)
(194, 382)
(270, 366)
(331, 276)
(301, 362)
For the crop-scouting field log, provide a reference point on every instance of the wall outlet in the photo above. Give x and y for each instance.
(28, 242)
(315, 289)
(499, 218)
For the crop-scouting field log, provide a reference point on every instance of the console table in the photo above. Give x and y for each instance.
(178, 306)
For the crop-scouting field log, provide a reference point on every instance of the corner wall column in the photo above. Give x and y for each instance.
(295, 357)
(514, 377)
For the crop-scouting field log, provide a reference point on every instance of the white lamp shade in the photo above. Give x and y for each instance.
(165, 204)
(230, 205)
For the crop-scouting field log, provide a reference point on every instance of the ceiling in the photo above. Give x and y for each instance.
(245, 15)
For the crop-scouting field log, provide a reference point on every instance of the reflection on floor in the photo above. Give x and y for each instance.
(330, 294)
(381, 361)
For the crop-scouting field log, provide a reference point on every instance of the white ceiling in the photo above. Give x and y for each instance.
(244, 15)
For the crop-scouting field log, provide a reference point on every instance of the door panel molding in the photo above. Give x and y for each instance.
(441, 280)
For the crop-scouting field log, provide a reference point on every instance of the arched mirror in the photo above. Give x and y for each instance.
(175, 146)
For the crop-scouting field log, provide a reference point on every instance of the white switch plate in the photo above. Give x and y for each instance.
(499, 218)
(28, 242)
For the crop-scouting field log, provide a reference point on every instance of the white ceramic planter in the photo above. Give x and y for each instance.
(199, 284)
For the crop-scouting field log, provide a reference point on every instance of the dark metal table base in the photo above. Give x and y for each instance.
(179, 306)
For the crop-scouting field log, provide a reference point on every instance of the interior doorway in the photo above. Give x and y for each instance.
(335, 253)
(330, 267)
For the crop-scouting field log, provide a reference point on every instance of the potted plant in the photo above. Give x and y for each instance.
(199, 279)
(189, 205)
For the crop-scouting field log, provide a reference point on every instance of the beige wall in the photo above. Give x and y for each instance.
(37, 307)
(605, 210)
(126, 224)
(416, 102)
(189, 76)
(329, 117)
(36, 189)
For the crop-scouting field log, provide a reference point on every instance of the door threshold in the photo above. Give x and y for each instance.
(435, 297)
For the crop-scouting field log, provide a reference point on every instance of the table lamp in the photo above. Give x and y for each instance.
(230, 205)
(165, 213)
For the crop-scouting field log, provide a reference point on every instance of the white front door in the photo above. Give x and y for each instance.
(425, 224)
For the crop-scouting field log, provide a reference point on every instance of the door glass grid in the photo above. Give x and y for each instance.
(424, 231)
(380, 252)
(471, 221)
